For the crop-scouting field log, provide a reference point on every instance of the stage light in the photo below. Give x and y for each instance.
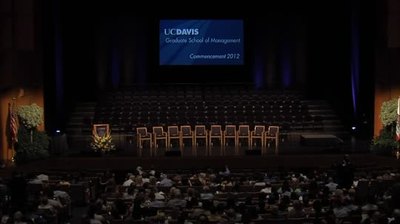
(58, 131)
(353, 128)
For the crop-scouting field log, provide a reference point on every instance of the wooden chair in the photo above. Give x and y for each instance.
(257, 133)
(243, 133)
(159, 134)
(186, 133)
(230, 133)
(273, 135)
(216, 133)
(173, 133)
(142, 136)
(200, 132)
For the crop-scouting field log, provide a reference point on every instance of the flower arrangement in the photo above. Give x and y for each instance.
(385, 143)
(32, 144)
(389, 112)
(102, 143)
(31, 115)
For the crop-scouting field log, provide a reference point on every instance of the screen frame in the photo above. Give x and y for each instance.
(243, 41)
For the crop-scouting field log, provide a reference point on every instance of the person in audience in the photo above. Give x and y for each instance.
(39, 179)
(395, 219)
(130, 193)
(226, 172)
(331, 185)
(176, 200)
(154, 203)
(207, 194)
(297, 210)
(45, 208)
(340, 211)
(19, 218)
(139, 170)
(368, 209)
(119, 209)
(285, 188)
(215, 215)
(94, 217)
(129, 181)
(345, 172)
(109, 182)
(165, 181)
(191, 198)
(202, 218)
(316, 194)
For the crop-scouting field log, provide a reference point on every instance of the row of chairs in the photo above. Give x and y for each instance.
(209, 137)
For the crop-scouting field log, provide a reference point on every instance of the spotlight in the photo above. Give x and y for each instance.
(353, 128)
(58, 131)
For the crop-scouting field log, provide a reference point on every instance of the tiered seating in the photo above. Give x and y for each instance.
(197, 105)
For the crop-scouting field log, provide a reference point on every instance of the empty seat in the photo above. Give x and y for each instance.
(272, 135)
(159, 134)
(186, 133)
(200, 132)
(257, 133)
(142, 136)
(216, 133)
(230, 133)
(243, 133)
(173, 133)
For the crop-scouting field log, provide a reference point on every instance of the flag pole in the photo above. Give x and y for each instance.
(397, 129)
(13, 104)
(9, 139)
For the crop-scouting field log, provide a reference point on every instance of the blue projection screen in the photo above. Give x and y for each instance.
(201, 42)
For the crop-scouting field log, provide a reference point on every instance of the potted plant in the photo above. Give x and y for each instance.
(32, 144)
(385, 143)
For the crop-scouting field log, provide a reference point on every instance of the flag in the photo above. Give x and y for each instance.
(398, 121)
(13, 123)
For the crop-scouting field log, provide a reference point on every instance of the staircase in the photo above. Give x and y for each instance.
(325, 119)
(79, 126)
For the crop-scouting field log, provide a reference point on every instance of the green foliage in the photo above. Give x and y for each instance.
(32, 145)
(389, 112)
(385, 143)
(30, 116)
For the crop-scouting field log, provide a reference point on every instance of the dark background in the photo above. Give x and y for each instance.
(344, 52)
(289, 45)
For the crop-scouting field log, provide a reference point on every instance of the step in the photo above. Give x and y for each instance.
(320, 111)
(333, 127)
(83, 113)
(86, 104)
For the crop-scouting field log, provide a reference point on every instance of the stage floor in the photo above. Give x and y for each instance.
(290, 157)
(176, 163)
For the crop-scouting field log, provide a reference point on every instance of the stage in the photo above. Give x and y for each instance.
(187, 163)
(291, 155)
